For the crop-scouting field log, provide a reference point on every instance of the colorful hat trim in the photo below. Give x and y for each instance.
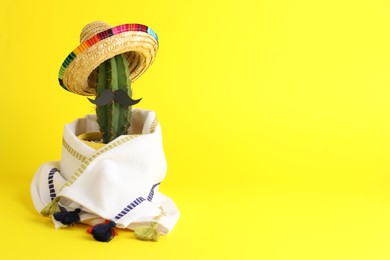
(114, 31)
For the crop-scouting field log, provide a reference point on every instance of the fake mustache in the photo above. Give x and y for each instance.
(119, 96)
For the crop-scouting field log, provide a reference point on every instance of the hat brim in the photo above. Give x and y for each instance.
(137, 42)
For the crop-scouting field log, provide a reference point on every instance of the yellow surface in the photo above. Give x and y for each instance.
(275, 117)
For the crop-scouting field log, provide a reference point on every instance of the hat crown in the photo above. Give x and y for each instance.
(92, 29)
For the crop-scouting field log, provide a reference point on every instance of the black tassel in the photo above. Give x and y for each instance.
(68, 217)
(103, 232)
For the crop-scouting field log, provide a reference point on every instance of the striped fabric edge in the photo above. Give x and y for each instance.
(136, 202)
(151, 193)
(50, 181)
(133, 27)
(72, 151)
(153, 125)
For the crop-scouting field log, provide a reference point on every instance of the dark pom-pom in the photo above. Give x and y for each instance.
(68, 217)
(103, 232)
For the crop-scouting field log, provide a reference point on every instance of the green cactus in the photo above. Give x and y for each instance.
(113, 118)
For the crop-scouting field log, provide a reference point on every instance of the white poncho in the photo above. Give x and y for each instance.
(118, 182)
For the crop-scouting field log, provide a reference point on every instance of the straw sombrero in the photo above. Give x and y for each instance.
(99, 42)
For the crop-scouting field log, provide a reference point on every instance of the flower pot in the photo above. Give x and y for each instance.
(118, 181)
(92, 139)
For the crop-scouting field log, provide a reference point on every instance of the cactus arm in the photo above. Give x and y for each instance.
(124, 112)
(120, 80)
(115, 106)
(102, 111)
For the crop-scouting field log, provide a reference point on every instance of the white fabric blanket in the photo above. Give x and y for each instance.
(117, 182)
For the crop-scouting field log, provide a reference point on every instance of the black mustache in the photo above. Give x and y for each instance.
(120, 96)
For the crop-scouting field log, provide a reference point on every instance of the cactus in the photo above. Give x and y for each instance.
(114, 118)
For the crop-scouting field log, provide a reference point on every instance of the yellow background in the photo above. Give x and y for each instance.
(275, 118)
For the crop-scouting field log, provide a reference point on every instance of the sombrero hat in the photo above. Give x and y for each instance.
(100, 42)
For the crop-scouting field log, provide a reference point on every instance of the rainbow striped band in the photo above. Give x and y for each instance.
(99, 37)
